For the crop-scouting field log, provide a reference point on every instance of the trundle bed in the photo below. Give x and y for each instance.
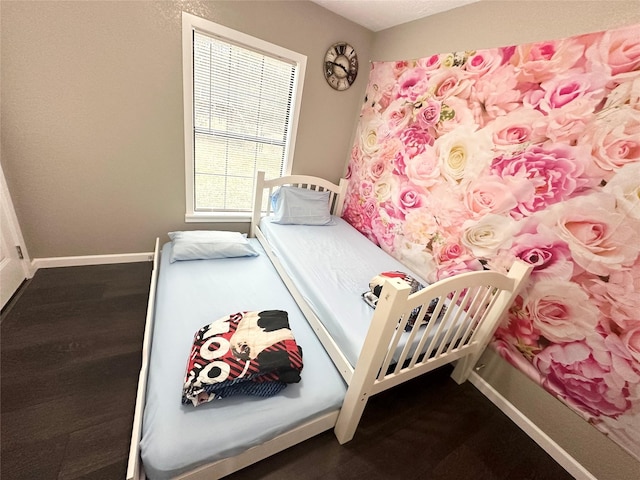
(220, 437)
(351, 351)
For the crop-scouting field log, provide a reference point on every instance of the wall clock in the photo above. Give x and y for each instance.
(340, 65)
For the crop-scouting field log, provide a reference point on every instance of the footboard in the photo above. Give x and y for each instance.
(468, 308)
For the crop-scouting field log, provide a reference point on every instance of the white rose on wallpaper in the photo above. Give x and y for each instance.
(625, 186)
(560, 310)
(369, 137)
(384, 187)
(601, 238)
(463, 153)
(488, 235)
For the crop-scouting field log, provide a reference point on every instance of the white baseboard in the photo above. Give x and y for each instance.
(84, 260)
(560, 455)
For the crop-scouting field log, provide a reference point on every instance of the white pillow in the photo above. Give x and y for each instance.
(209, 244)
(299, 206)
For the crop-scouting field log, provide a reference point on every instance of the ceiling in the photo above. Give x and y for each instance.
(377, 15)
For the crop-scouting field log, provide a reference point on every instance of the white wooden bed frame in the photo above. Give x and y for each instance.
(486, 296)
(220, 468)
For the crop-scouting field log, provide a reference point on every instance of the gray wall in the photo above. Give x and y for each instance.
(92, 115)
(489, 24)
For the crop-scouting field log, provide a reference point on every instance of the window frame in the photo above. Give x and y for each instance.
(191, 23)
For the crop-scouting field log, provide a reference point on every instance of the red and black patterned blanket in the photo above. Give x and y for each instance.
(249, 353)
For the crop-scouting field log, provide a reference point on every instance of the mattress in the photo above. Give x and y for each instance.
(332, 265)
(177, 438)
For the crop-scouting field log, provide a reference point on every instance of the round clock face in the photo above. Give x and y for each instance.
(340, 65)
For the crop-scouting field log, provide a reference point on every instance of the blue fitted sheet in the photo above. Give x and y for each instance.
(332, 265)
(190, 294)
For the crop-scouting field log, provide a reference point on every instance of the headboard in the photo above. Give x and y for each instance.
(336, 193)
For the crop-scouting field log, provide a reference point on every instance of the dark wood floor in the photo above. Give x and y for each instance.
(70, 356)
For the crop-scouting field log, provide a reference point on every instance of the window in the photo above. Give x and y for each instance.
(241, 101)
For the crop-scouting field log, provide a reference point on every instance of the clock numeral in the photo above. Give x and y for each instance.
(341, 48)
(328, 68)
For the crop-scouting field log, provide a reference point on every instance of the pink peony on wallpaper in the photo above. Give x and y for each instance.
(468, 160)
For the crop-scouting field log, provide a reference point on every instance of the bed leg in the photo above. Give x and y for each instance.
(349, 417)
(393, 296)
(463, 368)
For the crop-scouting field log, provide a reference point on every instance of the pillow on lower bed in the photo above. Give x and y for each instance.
(299, 206)
(209, 244)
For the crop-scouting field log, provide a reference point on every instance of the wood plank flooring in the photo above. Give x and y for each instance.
(70, 354)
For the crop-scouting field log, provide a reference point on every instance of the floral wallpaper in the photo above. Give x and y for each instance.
(468, 160)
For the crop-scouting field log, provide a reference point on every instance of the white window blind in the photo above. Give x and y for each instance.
(242, 98)
(242, 103)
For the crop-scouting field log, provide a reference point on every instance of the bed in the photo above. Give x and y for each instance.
(327, 267)
(171, 440)
(351, 351)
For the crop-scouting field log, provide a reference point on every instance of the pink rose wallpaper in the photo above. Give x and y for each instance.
(469, 160)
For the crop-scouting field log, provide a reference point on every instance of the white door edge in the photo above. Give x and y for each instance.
(13, 269)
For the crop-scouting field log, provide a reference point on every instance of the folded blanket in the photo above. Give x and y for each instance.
(375, 287)
(248, 353)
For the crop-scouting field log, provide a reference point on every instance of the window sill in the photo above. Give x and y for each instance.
(217, 217)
